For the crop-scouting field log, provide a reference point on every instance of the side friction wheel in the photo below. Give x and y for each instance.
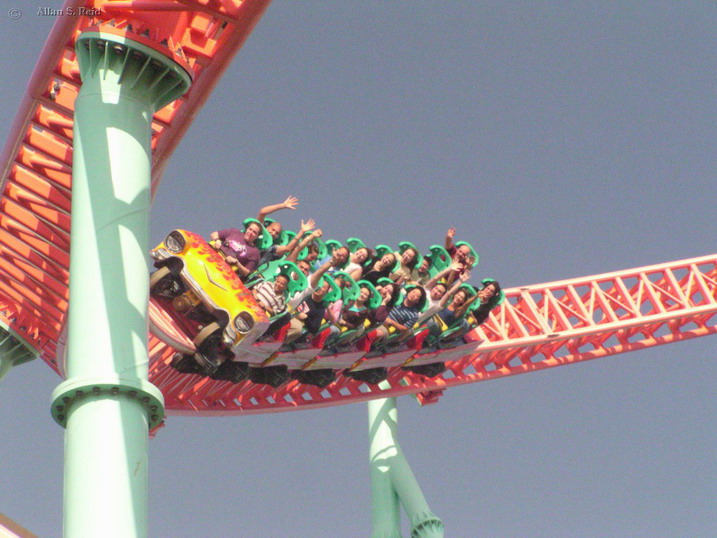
(163, 282)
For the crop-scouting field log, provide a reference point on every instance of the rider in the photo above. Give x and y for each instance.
(239, 247)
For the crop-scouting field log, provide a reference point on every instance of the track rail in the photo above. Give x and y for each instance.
(36, 162)
(537, 327)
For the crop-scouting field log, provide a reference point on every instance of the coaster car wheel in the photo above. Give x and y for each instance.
(372, 376)
(319, 378)
(274, 376)
(163, 282)
(207, 343)
(230, 370)
(428, 370)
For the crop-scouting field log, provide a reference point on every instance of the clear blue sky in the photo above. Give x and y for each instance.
(562, 139)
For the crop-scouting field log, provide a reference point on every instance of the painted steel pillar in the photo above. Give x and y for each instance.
(107, 404)
(14, 350)
(392, 479)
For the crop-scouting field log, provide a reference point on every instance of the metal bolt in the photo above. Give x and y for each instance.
(114, 391)
(145, 400)
(59, 408)
(66, 400)
(153, 409)
(153, 418)
(60, 417)
(96, 390)
(132, 393)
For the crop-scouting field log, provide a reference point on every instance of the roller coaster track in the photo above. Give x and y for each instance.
(538, 327)
(36, 162)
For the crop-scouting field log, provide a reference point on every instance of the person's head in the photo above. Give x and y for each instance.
(460, 297)
(280, 284)
(304, 266)
(389, 292)
(415, 297)
(321, 291)
(409, 258)
(364, 294)
(274, 230)
(490, 293)
(341, 255)
(313, 252)
(463, 253)
(361, 255)
(425, 266)
(252, 232)
(438, 291)
(387, 261)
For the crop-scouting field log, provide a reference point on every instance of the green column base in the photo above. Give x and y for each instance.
(80, 389)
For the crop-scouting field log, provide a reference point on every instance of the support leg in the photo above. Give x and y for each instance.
(107, 404)
(392, 479)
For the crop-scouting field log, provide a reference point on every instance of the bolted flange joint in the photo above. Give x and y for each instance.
(77, 390)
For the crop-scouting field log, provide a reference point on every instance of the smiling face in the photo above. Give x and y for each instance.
(341, 255)
(304, 267)
(408, 256)
(321, 291)
(252, 233)
(360, 255)
(364, 295)
(425, 265)
(413, 297)
(459, 298)
(463, 252)
(274, 229)
(280, 284)
(387, 261)
(487, 293)
(438, 291)
(386, 292)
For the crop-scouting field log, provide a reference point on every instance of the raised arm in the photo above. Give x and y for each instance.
(294, 255)
(281, 250)
(450, 234)
(289, 203)
(316, 276)
(462, 279)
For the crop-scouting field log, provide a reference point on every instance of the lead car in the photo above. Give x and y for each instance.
(202, 294)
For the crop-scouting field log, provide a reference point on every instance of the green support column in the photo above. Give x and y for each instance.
(14, 350)
(392, 479)
(106, 404)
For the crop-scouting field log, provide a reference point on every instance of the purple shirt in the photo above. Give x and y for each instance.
(234, 244)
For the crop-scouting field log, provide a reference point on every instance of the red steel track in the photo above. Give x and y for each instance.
(538, 327)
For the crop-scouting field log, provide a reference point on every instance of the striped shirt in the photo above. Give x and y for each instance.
(268, 299)
(404, 315)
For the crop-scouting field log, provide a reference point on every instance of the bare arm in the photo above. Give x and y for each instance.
(316, 277)
(454, 289)
(289, 203)
(291, 245)
(294, 255)
(450, 234)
